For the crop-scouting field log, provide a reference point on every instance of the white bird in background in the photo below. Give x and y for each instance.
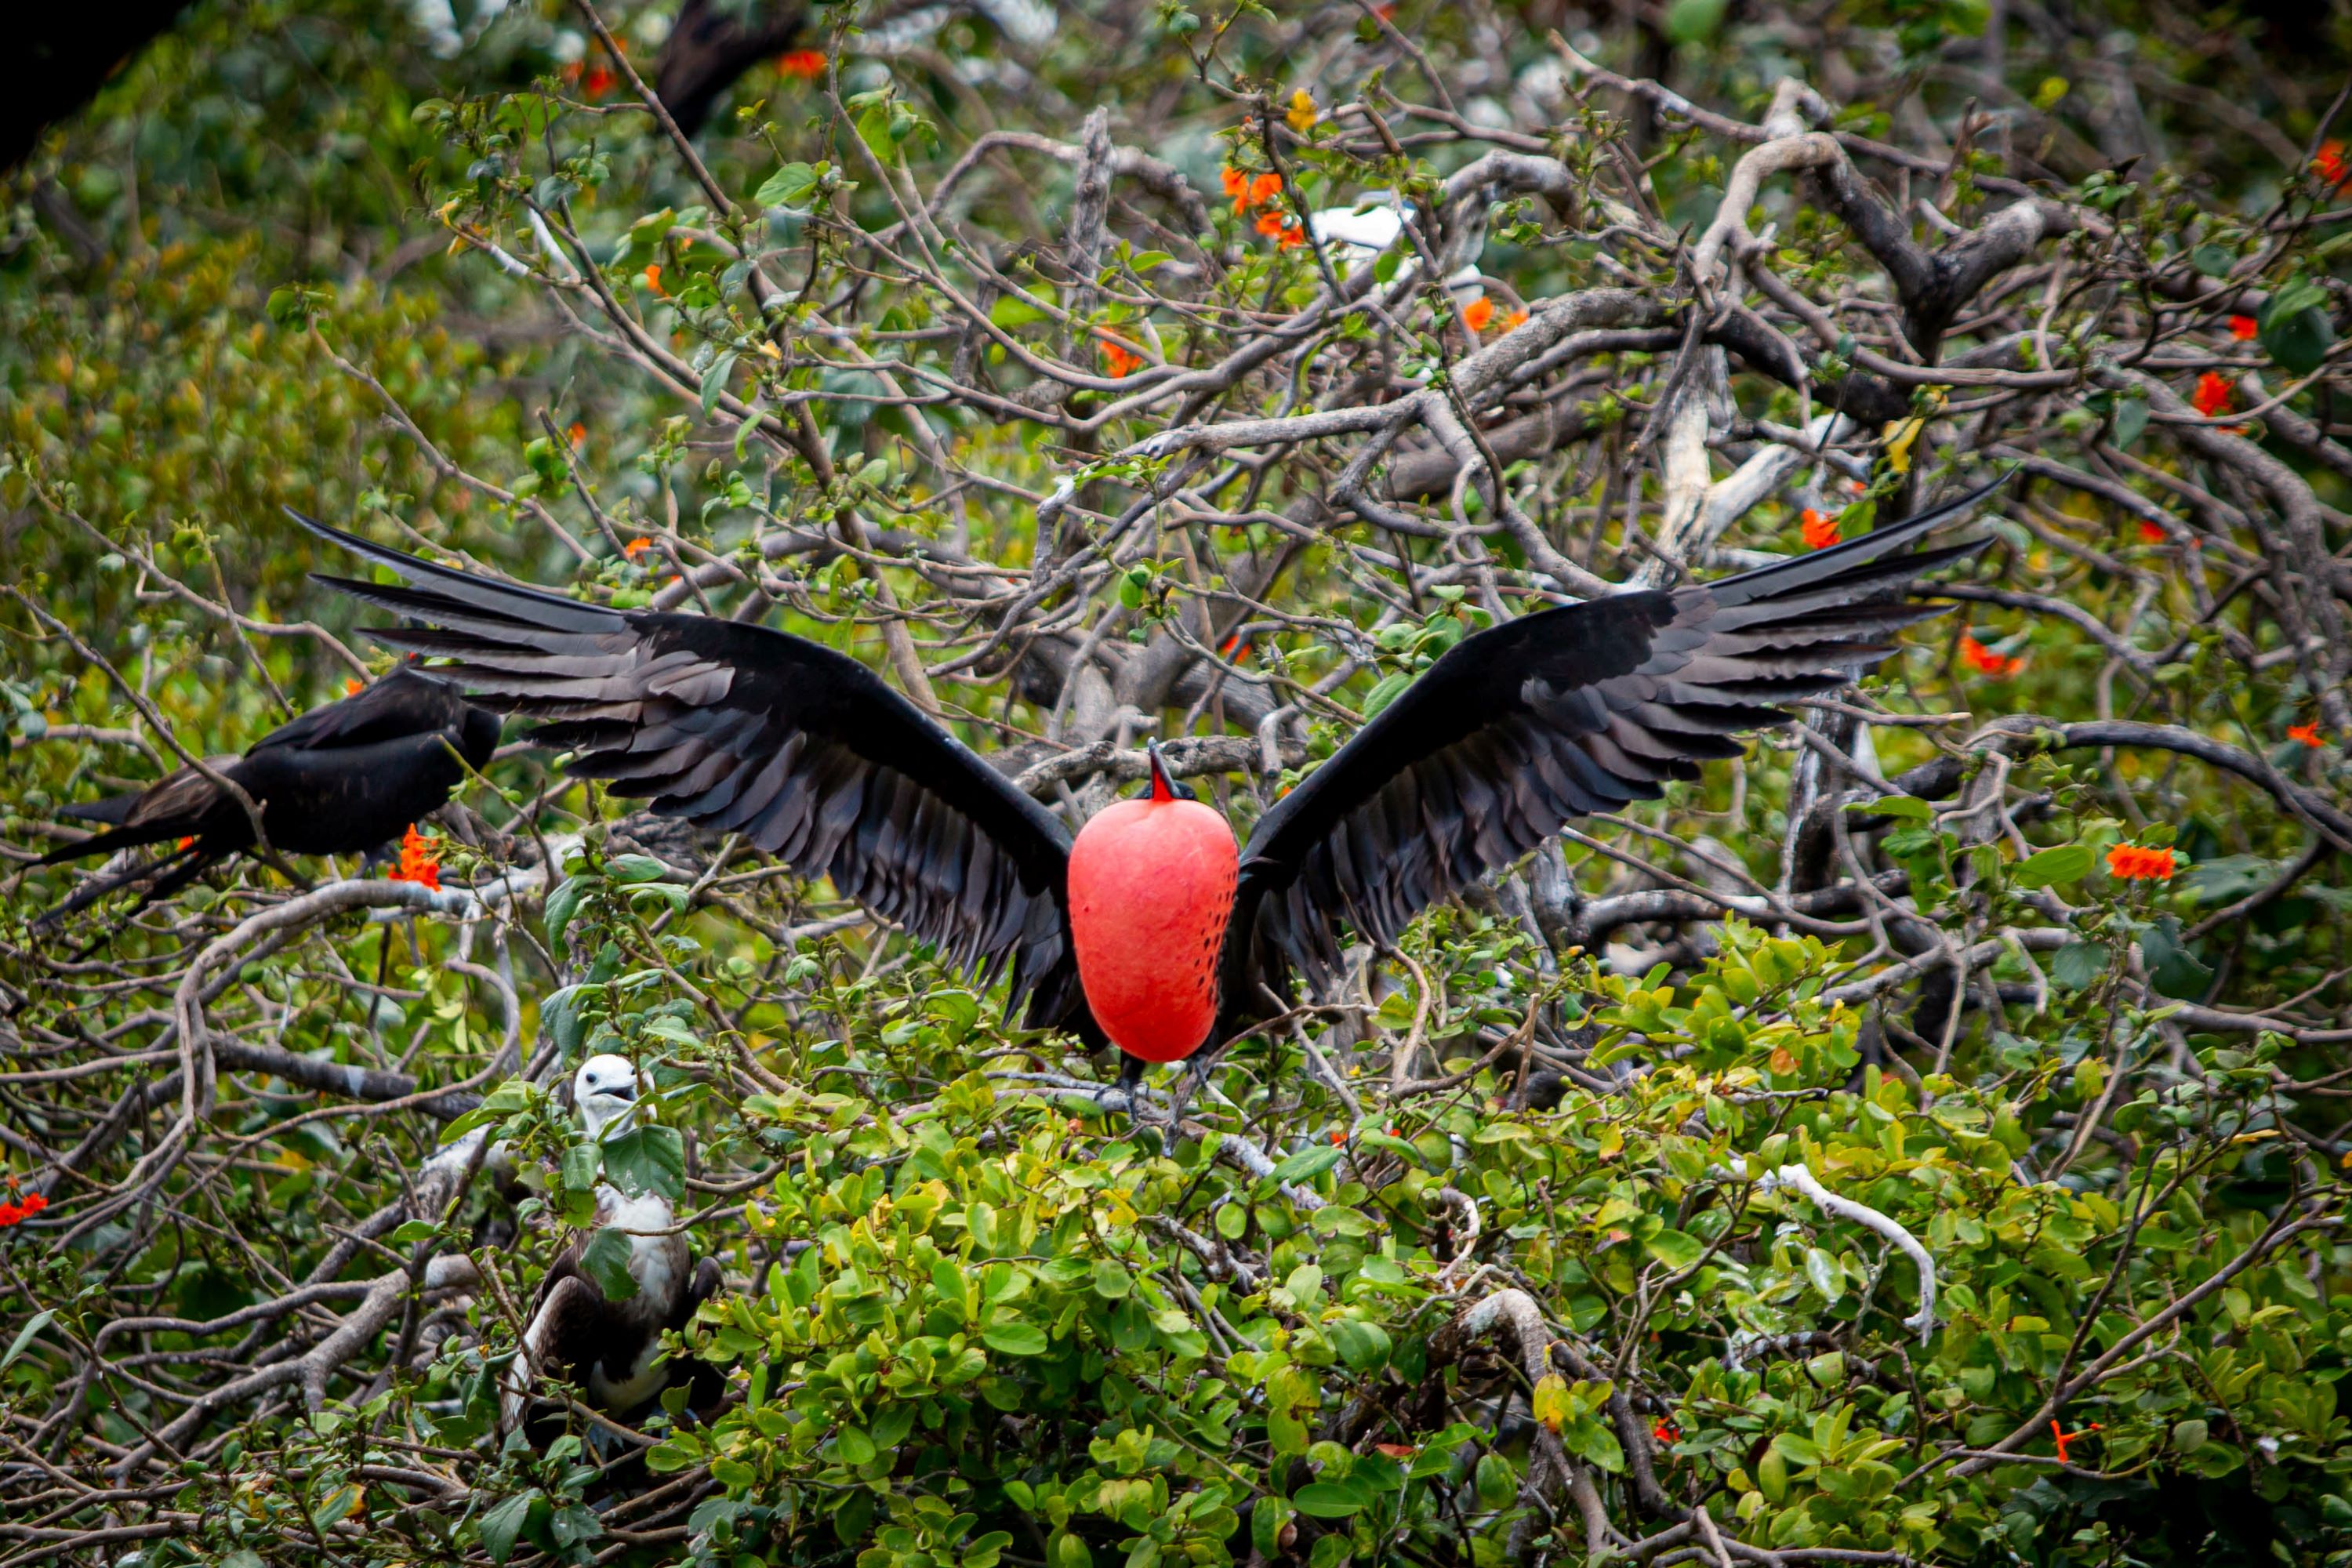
(1356, 236)
(611, 1349)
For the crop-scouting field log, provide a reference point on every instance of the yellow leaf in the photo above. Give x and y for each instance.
(1302, 115)
(1900, 438)
(1550, 1402)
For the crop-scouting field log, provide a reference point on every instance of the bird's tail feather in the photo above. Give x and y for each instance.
(115, 840)
(161, 878)
(110, 811)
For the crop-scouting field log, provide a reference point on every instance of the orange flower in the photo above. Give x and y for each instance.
(1118, 359)
(637, 547)
(353, 686)
(1282, 226)
(578, 433)
(2132, 863)
(1665, 1431)
(32, 1202)
(2212, 393)
(1515, 321)
(184, 843)
(598, 81)
(10, 1214)
(1250, 191)
(2308, 733)
(1819, 528)
(653, 276)
(1984, 660)
(2153, 533)
(420, 862)
(806, 63)
(2062, 1438)
(1477, 313)
(2243, 327)
(2330, 164)
(1337, 1137)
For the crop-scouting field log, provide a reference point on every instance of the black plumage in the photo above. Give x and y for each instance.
(1527, 725)
(341, 779)
(801, 750)
(1514, 732)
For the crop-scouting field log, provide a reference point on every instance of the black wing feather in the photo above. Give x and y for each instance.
(1524, 726)
(740, 729)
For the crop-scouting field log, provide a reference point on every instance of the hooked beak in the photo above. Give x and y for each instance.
(1164, 789)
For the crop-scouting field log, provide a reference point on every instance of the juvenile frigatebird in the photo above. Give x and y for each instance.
(611, 1349)
(1151, 930)
(342, 779)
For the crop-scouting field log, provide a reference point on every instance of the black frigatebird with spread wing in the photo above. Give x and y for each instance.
(342, 779)
(1150, 930)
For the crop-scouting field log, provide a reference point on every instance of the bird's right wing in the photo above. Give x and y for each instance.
(404, 702)
(801, 750)
(1570, 711)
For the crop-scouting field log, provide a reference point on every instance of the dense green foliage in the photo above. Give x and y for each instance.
(1490, 1255)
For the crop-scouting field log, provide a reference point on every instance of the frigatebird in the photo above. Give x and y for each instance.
(611, 1349)
(1150, 930)
(342, 779)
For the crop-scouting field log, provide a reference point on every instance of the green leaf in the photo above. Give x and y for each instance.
(561, 905)
(1112, 1280)
(1593, 1442)
(503, 1523)
(1494, 1481)
(1365, 1347)
(1390, 688)
(1910, 807)
(2078, 965)
(1675, 1248)
(636, 868)
(1693, 21)
(1327, 1499)
(410, 1233)
(2296, 328)
(1014, 1339)
(2066, 863)
(2175, 970)
(561, 1014)
(1308, 1163)
(581, 1163)
(605, 1261)
(789, 186)
(32, 1326)
(714, 381)
(854, 1445)
(2131, 420)
(648, 1160)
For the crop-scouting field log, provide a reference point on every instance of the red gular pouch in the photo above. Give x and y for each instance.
(1152, 887)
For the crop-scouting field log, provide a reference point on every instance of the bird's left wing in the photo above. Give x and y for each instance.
(739, 729)
(1521, 728)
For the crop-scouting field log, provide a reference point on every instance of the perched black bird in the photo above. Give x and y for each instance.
(612, 1348)
(1148, 929)
(340, 780)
